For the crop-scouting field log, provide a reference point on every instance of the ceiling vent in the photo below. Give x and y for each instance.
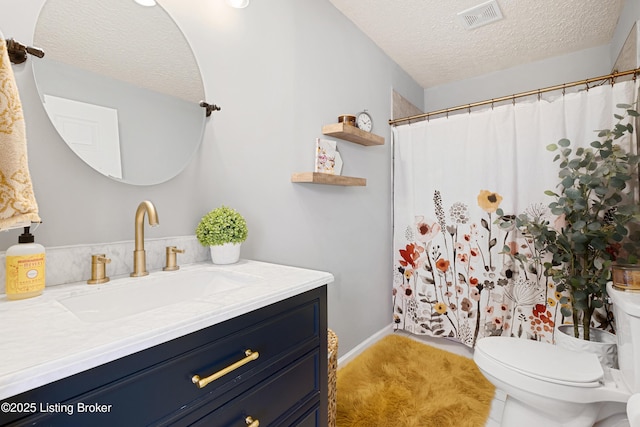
(480, 15)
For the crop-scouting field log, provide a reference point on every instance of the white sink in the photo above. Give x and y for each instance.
(128, 296)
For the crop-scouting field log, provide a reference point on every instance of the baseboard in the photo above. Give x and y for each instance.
(441, 343)
(346, 358)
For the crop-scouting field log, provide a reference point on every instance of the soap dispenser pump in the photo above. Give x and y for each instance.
(25, 268)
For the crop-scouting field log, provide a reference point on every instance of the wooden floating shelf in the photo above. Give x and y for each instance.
(325, 178)
(352, 134)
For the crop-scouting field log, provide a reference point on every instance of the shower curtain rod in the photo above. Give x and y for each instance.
(586, 82)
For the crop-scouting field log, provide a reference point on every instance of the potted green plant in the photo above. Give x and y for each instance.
(223, 230)
(594, 208)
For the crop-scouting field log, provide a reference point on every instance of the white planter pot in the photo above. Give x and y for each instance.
(604, 344)
(229, 253)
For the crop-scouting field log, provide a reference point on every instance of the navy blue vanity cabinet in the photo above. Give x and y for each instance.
(285, 385)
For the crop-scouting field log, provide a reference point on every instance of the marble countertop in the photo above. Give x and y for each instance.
(43, 341)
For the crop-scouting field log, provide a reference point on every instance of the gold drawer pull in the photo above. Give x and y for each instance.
(202, 382)
(251, 422)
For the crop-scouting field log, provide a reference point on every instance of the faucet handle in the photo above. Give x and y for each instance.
(98, 269)
(100, 259)
(172, 258)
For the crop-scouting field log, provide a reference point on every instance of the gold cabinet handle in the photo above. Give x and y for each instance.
(202, 382)
(251, 422)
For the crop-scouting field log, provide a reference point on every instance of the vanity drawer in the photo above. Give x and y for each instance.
(277, 342)
(274, 402)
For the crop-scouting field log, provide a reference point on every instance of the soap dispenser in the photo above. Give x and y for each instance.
(25, 268)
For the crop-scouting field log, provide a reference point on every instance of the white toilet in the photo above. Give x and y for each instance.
(549, 386)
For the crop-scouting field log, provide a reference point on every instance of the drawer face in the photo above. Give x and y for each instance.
(273, 400)
(295, 332)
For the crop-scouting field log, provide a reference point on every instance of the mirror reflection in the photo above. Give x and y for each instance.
(122, 87)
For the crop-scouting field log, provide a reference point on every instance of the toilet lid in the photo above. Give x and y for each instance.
(543, 360)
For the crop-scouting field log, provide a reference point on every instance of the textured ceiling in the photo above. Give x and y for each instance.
(427, 39)
(120, 39)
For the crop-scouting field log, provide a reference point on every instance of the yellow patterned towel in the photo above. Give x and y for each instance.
(18, 205)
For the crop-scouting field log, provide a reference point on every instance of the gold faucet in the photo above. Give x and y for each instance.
(139, 256)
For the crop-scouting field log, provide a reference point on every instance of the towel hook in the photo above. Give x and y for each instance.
(209, 107)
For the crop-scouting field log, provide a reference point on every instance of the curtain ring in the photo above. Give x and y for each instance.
(492, 104)
(564, 87)
(586, 83)
(539, 95)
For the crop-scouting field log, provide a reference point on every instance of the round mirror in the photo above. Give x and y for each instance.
(122, 87)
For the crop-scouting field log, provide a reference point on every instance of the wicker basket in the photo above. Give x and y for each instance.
(332, 344)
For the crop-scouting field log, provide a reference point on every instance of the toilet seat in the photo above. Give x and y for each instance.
(543, 361)
(546, 385)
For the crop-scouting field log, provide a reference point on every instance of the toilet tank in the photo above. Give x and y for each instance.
(626, 308)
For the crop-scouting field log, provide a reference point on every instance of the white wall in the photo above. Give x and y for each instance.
(630, 14)
(540, 74)
(279, 69)
(574, 66)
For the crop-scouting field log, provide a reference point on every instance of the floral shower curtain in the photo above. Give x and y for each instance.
(452, 275)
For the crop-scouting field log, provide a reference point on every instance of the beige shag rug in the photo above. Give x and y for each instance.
(399, 382)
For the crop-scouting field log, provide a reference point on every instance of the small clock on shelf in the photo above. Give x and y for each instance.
(364, 122)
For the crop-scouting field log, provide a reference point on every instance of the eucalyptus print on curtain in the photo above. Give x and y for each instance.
(453, 273)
